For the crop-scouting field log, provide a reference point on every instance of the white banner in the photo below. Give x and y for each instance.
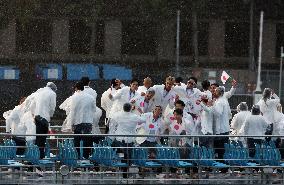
(9, 74)
(52, 73)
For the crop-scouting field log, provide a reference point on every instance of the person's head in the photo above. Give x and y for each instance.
(134, 84)
(79, 86)
(157, 111)
(85, 80)
(178, 113)
(52, 86)
(205, 85)
(242, 107)
(127, 107)
(266, 93)
(22, 99)
(170, 81)
(114, 84)
(147, 82)
(191, 82)
(219, 91)
(150, 93)
(213, 87)
(179, 104)
(178, 81)
(255, 110)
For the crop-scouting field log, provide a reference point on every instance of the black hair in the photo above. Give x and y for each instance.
(255, 110)
(85, 80)
(178, 111)
(193, 78)
(179, 79)
(215, 84)
(134, 80)
(205, 85)
(113, 82)
(180, 102)
(79, 86)
(127, 107)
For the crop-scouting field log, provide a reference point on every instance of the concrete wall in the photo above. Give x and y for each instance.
(8, 39)
(216, 40)
(166, 41)
(113, 37)
(60, 36)
(269, 42)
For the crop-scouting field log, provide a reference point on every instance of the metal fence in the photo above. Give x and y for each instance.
(169, 160)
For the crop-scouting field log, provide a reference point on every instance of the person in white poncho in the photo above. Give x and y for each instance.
(124, 95)
(268, 107)
(147, 83)
(106, 102)
(98, 112)
(125, 123)
(255, 125)
(154, 125)
(239, 118)
(164, 95)
(144, 104)
(42, 106)
(221, 114)
(81, 116)
(15, 125)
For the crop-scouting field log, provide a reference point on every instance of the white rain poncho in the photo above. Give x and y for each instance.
(163, 97)
(43, 103)
(125, 123)
(269, 108)
(82, 109)
(152, 126)
(254, 125)
(28, 121)
(66, 106)
(97, 117)
(189, 97)
(13, 121)
(221, 114)
(141, 104)
(107, 103)
(120, 98)
(238, 121)
(206, 119)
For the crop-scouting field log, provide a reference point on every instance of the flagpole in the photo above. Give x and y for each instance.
(258, 84)
(280, 73)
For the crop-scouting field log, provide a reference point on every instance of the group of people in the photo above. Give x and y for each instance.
(172, 108)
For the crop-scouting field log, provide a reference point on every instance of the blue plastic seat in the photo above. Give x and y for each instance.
(140, 158)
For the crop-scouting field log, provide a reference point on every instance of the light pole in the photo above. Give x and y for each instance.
(257, 94)
(258, 84)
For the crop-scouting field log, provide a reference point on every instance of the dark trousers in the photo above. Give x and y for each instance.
(83, 128)
(206, 141)
(280, 145)
(251, 145)
(107, 125)
(20, 143)
(219, 144)
(127, 154)
(41, 128)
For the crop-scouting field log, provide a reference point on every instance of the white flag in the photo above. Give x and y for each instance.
(224, 77)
